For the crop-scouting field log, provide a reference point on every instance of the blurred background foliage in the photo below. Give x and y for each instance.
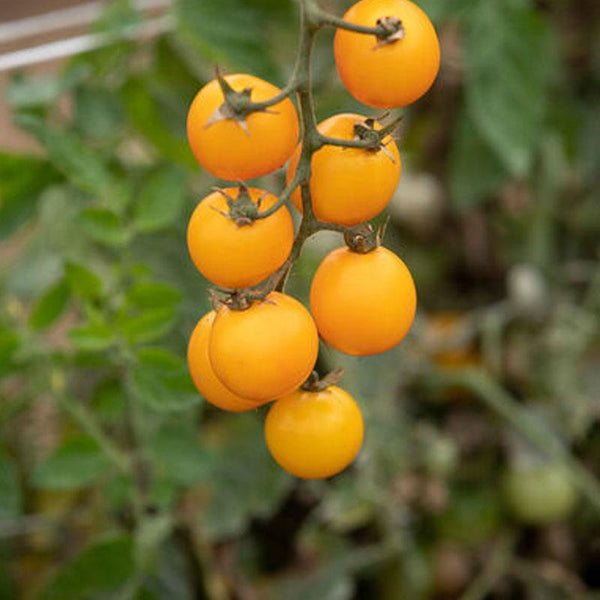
(478, 475)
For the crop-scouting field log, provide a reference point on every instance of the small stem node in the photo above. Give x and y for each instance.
(362, 239)
(314, 383)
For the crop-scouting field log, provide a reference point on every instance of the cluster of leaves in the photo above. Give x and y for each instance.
(116, 480)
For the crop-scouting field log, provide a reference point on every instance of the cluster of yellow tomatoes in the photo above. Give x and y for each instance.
(243, 355)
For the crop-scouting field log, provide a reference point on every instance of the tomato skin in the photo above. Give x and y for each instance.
(265, 351)
(363, 303)
(236, 256)
(391, 75)
(224, 148)
(540, 494)
(202, 373)
(313, 435)
(348, 185)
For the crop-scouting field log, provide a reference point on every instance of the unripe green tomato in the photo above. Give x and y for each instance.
(540, 494)
(440, 456)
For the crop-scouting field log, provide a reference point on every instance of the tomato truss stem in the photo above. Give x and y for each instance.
(312, 18)
(387, 30)
(314, 383)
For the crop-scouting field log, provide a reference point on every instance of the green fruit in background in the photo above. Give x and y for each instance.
(540, 494)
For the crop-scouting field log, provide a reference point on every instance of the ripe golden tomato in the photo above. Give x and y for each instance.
(363, 303)
(235, 256)
(348, 185)
(265, 351)
(224, 148)
(203, 375)
(314, 434)
(387, 75)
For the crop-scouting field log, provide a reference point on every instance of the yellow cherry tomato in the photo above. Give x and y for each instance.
(363, 303)
(203, 375)
(387, 75)
(233, 255)
(313, 435)
(228, 151)
(348, 185)
(266, 350)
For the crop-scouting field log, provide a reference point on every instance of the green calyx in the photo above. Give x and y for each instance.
(237, 105)
(391, 30)
(374, 138)
(241, 210)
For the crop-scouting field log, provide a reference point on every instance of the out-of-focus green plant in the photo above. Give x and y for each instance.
(117, 481)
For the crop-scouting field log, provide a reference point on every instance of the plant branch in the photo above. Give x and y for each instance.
(310, 143)
(495, 567)
(325, 19)
(283, 199)
(89, 424)
(287, 91)
(311, 19)
(354, 143)
(501, 402)
(388, 29)
(291, 86)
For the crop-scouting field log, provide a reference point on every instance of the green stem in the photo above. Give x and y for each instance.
(315, 18)
(494, 569)
(591, 300)
(89, 424)
(287, 91)
(320, 18)
(283, 199)
(500, 401)
(328, 20)
(311, 19)
(310, 142)
(353, 143)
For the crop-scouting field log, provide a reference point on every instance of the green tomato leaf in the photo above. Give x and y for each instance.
(149, 294)
(92, 337)
(161, 360)
(236, 40)
(83, 166)
(149, 325)
(50, 306)
(102, 568)
(9, 344)
(150, 537)
(241, 490)
(75, 464)
(98, 113)
(158, 384)
(510, 61)
(179, 455)
(105, 227)
(110, 400)
(84, 283)
(160, 201)
(473, 515)
(22, 179)
(11, 502)
(147, 118)
(42, 90)
(332, 580)
(476, 172)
